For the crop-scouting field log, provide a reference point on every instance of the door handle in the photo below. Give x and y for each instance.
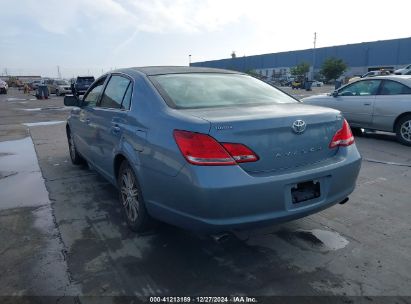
(115, 129)
(88, 121)
(367, 103)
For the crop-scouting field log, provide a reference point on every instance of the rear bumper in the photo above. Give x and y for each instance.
(225, 198)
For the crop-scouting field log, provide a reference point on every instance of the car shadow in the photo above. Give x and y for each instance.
(172, 261)
(380, 136)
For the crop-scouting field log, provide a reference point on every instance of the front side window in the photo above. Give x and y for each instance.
(394, 88)
(115, 92)
(202, 90)
(361, 88)
(93, 95)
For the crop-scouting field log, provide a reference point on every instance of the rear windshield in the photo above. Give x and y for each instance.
(61, 82)
(203, 90)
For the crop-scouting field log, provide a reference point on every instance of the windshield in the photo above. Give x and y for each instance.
(202, 90)
(62, 82)
(88, 80)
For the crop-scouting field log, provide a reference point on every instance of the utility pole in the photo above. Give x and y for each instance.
(58, 72)
(315, 42)
(189, 60)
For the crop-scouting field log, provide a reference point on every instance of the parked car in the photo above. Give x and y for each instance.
(381, 103)
(3, 87)
(371, 74)
(403, 71)
(34, 84)
(209, 149)
(81, 84)
(316, 83)
(59, 87)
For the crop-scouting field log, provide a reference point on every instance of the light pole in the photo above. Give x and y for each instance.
(189, 60)
(315, 42)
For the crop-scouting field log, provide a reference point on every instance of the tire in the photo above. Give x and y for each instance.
(356, 131)
(75, 157)
(57, 93)
(403, 130)
(131, 198)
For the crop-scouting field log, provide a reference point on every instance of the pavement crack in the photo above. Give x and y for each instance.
(370, 160)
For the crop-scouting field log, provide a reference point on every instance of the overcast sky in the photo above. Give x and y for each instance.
(91, 36)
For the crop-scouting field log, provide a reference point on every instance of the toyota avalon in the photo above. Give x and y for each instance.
(209, 149)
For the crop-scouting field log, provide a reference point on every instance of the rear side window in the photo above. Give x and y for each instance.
(115, 92)
(202, 90)
(127, 98)
(394, 88)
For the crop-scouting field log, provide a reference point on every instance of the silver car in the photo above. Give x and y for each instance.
(59, 87)
(379, 103)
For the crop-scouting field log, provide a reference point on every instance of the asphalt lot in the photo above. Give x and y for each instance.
(62, 231)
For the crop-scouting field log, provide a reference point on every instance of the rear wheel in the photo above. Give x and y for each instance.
(403, 130)
(75, 157)
(132, 200)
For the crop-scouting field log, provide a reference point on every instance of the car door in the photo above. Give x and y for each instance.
(393, 99)
(356, 101)
(83, 126)
(111, 119)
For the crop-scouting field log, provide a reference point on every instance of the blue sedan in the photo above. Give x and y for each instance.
(212, 150)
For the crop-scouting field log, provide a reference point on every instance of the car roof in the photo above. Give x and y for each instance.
(405, 79)
(162, 70)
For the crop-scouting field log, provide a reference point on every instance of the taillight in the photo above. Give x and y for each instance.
(202, 149)
(343, 137)
(240, 153)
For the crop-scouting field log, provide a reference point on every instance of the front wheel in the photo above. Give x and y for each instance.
(57, 93)
(403, 130)
(132, 200)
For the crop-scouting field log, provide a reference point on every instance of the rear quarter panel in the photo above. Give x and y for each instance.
(387, 108)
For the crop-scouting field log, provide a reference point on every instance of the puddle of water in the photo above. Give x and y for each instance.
(43, 123)
(330, 239)
(322, 240)
(33, 109)
(15, 99)
(22, 183)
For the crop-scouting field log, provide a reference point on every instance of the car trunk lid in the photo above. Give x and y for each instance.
(268, 131)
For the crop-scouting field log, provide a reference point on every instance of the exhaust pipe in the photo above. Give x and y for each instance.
(344, 201)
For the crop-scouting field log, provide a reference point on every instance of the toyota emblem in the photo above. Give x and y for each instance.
(299, 126)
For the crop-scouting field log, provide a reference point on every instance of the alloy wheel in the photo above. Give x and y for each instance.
(72, 147)
(405, 130)
(129, 195)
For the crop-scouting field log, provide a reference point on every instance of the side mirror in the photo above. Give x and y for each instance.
(71, 101)
(335, 93)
